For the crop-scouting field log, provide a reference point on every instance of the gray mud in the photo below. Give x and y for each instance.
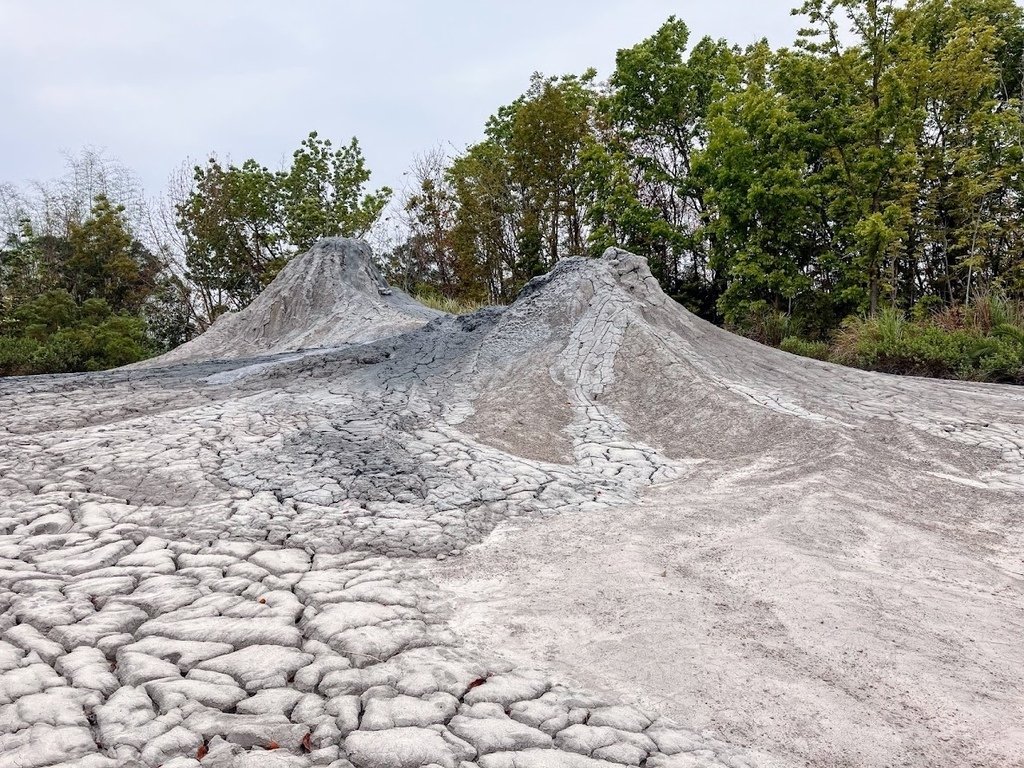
(423, 541)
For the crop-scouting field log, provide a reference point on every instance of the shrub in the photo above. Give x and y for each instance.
(931, 347)
(766, 325)
(120, 340)
(992, 310)
(819, 350)
(50, 336)
(16, 356)
(61, 353)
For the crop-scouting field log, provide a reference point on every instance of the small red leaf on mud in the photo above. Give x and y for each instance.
(307, 742)
(273, 745)
(201, 752)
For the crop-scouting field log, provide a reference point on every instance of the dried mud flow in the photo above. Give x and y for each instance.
(585, 530)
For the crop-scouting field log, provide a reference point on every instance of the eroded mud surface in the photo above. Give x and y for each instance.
(269, 560)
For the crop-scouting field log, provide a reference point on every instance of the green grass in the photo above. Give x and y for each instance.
(819, 350)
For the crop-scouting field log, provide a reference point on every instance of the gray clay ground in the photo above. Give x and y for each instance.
(424, 544)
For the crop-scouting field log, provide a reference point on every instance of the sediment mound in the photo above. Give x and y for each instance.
(359, 555)
(332, 294)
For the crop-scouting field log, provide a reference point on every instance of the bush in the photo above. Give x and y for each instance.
(889, 342)
(993, 310)
(16, 356)
(766, 325)
(983, 341)
(819, 350)
(118, 341)
(62, 353)
(51, 335)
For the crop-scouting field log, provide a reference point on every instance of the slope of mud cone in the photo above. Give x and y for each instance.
(330, 295)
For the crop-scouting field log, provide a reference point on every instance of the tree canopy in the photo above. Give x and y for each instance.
(240, 224)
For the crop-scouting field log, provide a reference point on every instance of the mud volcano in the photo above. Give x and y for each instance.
(584, 530)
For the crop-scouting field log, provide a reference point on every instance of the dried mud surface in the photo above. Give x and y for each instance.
(584, 530)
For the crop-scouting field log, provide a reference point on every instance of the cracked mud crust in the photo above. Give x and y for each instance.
(288, 557)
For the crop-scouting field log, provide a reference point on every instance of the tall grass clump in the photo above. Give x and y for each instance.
(449, 305)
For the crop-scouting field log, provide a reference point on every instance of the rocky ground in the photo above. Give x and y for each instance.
(392, 538)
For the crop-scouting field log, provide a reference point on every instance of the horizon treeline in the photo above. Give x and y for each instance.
(855, 196)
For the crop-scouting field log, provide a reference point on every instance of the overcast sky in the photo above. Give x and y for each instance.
(155, 83)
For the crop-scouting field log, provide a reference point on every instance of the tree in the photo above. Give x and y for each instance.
(882, 168)
(427, 259)
(518, 194)
(653, 121)
(74, 303)
(968, 217)
(232, 227)
(240, 224)
(106, 262)
(487, 233)
(754, 172)
(322, 193)
(543, 134)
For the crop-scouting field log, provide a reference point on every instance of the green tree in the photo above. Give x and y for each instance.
(233, 238)
(967, 224)
(483, 223)
(855, 171)
(322, 193)
(240, 224)
(74, 302)
(754, 173)
(54, 334)
(653, 122)
(427, 261)
(486, 233)
(875, 151)
(543, 133)
(106, 262)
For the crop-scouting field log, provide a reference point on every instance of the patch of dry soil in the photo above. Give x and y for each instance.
(809, 628)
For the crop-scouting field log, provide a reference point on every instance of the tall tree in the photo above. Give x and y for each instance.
(240, 224)
(106, 262)
(879, 165)
(518, 194)
(322, 193)
(765, 206)
(876, 152)
(654, 120)
(427, 259)
(231, 221)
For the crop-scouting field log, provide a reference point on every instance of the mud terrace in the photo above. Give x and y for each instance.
(586, 530)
